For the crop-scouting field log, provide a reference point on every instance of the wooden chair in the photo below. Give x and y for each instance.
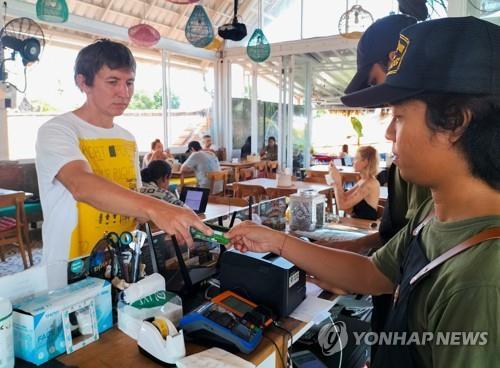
(221, 154)
(261, 168)
(15, 231)
(246, 191)
(380, 211)
(214, 177)
(247, 173)
(272, 167)
(279, 192)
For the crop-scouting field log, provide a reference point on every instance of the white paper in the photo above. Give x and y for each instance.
(213, 358)
(311, 309)
(312, 289)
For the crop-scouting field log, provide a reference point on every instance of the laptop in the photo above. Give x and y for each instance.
(337, 162)
(195, 198)
(347, 161)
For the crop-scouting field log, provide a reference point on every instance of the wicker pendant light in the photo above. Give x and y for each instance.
(53, 11)
(142, 34)
(258, 47)
(199, 31)
(354, 22)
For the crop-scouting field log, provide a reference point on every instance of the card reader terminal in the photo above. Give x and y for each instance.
(228, 319)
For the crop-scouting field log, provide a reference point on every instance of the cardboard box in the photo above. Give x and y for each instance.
(38, 330)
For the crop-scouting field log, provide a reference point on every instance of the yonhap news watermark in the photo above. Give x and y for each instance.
(333, 338)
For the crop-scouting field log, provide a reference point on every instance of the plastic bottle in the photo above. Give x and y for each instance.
(6, 335)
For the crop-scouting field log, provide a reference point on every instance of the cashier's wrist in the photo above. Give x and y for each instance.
(282, 245)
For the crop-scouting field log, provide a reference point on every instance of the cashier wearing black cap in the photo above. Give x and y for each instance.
(444, 88)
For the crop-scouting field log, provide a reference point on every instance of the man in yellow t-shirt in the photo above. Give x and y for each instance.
(88, 167)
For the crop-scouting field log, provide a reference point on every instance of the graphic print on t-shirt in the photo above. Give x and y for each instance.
(113, 159)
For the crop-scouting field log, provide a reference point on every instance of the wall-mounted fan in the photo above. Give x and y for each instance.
(25, 36)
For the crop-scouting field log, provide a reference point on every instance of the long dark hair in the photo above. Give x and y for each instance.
(156, 170)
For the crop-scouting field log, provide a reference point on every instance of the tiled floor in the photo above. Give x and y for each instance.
(13, 262)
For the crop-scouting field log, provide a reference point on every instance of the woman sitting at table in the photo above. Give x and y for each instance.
(155, 181)
(156, 153)
(363, 197)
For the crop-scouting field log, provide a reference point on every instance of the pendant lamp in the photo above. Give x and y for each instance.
(354, 22)
(53, 11)
(258, 48)
(144, 35)
(199, 31)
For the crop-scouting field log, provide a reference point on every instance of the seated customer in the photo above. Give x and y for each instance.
(364, 195)
(246, 149)
(155, 154)
(155, 180)
(207, 143)
(201, 162)
(270, 152)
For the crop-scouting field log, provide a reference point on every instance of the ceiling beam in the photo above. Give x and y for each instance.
(108, 7)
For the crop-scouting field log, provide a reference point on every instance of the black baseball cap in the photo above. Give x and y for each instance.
(449, 55)
(375, 45)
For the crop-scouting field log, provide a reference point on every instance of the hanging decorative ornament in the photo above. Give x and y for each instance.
(354, 22)
(144, 35)
(183, 2)
(199, 30)
(258, 48)
(53, 11)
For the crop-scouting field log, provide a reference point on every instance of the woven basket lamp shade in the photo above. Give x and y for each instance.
(144, 35)
(354, 22)
(199, 30)
(53, 11)
(258, 48)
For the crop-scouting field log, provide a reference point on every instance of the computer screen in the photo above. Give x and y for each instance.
(195, 198)
(337, 162)
(347, 161)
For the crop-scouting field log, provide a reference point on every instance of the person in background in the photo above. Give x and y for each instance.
(246, 149)
(344, 152)
(362, 199)
(88, 167)
(207, 143)
(156, 153)
(201, 162)
(443, 266)
(270, 152)
(156, 180)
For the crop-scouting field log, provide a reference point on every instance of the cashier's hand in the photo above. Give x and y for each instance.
(334, 173)
(248, 236)
(175, 220)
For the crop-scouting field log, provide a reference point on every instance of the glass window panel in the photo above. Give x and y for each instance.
(241, 89)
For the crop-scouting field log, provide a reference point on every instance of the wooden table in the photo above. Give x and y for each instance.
(236, 166)
(296, 185)
(116, 349)
(215, 210)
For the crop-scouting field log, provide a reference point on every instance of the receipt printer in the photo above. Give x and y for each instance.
(265, 278)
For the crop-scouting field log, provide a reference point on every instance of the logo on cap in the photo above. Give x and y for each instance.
(399, 54)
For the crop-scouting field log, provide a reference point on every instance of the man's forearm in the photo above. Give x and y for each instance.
(110, 197)
(345, 270)
(361, 245)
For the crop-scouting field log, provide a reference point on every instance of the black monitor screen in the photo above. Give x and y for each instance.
(195, 198)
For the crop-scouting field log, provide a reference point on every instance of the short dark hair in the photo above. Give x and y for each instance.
(157, 169)
(479, 138)
(271, 137)
(207, 136)
(93, 57)
(195, 145)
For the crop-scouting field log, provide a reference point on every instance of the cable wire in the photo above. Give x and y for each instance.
(277, 349)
